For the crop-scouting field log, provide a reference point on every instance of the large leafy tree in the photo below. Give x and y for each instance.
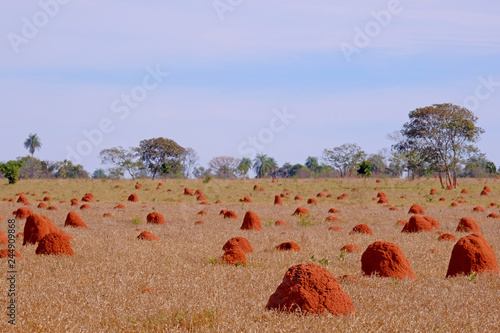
(442, 135)
(32, 143)
(11, 170)
(158, 151)
(264, 165)
(122, 160)
(345, 158)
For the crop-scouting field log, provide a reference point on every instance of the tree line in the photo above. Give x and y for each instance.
(437, 140)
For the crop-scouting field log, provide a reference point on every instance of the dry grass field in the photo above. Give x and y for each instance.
(115, 282)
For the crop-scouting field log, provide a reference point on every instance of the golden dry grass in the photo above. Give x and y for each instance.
(102, 288)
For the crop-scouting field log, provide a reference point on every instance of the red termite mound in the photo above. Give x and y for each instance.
(22, 212)
(246, 199)
(351, 248)
(433, 191)
(442, 199)
(478, 209)
(297, 197)
(54, 244)
(417, 224)
(88, 197)
(138, 186)
(464, 191)
(467, 224)
(3, 238)
(107, 215)
(133, 198)
(332, 219)
(447, 237)
(361, 229)
(37, 227)
(281, 223)
(47, 199)
(251, 221)
(202, 212)
(201, 197)
(387, 260)
(155, 218)
(454, 204)
(85, 206)
(120, 206)
(74, 202)
(487, 189)
(312, 290)
(229, 214)
(333, 211)
(301, 211)
(187, 191)
(52, 208)
(335, 228)
(288, 246)
(277, 200)
(382, 201)
(238, 243)
(381, 195)
(484, 192)
(146, 235)
(321, 195)
(234, 257)
(493, 216)
(75, 221)
(22, 199)
(432, 221)
(312, 201)
(470, 254)
(416, 209)
(256, 187)
(4, 253)
(41, 205)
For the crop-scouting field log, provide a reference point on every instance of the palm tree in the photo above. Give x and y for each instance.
(264, 165)
(32, 142)
(312, 163)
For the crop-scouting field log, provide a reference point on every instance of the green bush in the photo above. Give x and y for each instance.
(11, 170)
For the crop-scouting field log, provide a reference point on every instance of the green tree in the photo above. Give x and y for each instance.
(32, 143)
(11, 170)
(313, 164)
(122, 160)
(244, 166)
(345, 158)
(443, 135)
(66, 169)
(99, 174)
(264, 165)
(365, 169)
(157, 151)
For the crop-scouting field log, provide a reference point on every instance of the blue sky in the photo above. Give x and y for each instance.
(228, 78)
